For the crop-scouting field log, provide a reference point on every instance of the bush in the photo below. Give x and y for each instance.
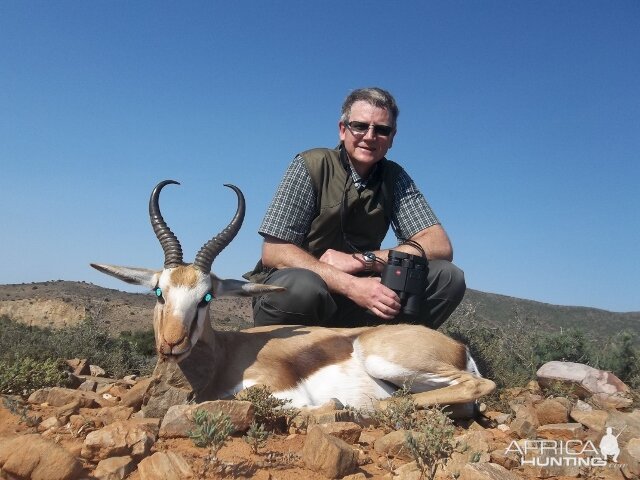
(212, 430)
(26, 375)
(433, 442)
(90, 339)
(401, 412)
(256, 436)
(269, 410)
(512, 353)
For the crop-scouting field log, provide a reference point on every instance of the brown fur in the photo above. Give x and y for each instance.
(185, 275)
(414, 346)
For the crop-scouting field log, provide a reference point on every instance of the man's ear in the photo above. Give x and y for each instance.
(136, 276)
(240, 288)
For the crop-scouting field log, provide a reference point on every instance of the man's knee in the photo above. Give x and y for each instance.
(449, 279)
(305, 301)
(300, 283)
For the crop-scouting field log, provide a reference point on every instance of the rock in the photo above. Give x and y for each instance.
(476, 441)
(561, 431)
(498, 417)
(585, 414)
(346, 431)
(408, 471)
(110, 415)
(79, 366)
(51, 422)
(393, 444)
(506, 459)
(57, 397)
(122, 438)
(317, 418)
(35, 458)
(114, 468)
(331, 405)
(525, 412)
(604, 387)
(551, 411)
(625, 424)
(355, 476)
(88, 386)
(486, 471)
(179, 419)
(135, 396)
(630, 458)
(66, 411)
(164, 466)
(523, 428)
(328, 455)
(96, 371)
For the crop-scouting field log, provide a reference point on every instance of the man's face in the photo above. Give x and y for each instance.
(365, 149)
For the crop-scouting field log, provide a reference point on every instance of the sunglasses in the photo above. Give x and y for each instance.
(361, 128)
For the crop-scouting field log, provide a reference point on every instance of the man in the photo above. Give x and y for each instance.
(324, 228)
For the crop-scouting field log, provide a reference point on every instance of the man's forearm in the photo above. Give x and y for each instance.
(279, 254)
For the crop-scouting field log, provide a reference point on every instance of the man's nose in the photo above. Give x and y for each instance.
(370, 134)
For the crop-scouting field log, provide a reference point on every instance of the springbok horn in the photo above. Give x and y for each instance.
(170, 244)
(213, 247)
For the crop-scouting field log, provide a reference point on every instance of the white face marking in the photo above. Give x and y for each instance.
(182, 302)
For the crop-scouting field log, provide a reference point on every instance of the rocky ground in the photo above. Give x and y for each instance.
(106, 429)
(100, 430)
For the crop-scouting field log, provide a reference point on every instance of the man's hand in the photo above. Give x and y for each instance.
(369, 293)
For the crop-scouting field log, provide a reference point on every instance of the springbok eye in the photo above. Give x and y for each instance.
(158, 293)
(205, 300)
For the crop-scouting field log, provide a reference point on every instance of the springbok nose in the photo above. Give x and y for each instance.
(175, 347)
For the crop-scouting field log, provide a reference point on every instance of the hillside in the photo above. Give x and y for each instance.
(60, 303)
(500, 309)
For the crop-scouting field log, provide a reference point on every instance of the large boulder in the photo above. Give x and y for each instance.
(35, 458)
(132, 438)
(603, 387)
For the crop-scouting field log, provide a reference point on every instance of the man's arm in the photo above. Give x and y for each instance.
(367, 292)
(434, 240)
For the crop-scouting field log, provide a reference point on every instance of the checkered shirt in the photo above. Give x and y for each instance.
(294, 208)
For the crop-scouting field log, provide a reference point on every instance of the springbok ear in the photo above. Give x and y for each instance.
(240, 288)
(136, 276)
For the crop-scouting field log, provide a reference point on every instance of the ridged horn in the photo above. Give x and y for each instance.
(170, 244)
(211, 249)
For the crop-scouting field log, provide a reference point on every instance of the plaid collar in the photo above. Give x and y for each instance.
(359, 182)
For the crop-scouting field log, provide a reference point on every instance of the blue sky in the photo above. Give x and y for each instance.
(520, 122)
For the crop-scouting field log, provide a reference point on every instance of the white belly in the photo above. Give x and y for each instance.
(346, 381)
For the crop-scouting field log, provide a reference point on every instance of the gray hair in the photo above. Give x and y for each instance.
(374, 96)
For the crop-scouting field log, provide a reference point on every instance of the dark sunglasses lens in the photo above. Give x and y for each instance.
(362, 127)
(382, 130)
(359, 127)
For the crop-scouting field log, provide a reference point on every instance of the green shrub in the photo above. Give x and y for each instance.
(269, 410)
(401, 412)
(433, 442)
(212, 430)
(511, 354)
(256, 436)
(89, 339)
(26, 375)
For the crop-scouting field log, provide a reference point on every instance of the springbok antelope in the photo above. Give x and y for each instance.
(308, 365)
